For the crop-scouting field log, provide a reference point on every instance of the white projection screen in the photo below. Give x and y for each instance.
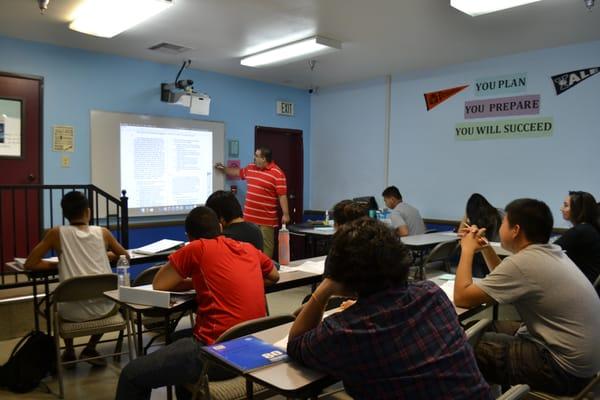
(164, 164)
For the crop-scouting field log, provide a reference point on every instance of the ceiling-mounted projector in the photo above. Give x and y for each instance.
(182, 93)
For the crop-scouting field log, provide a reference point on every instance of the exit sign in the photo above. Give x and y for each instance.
(285, 108)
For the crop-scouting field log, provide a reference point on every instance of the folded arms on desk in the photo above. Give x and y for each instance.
(51, 241)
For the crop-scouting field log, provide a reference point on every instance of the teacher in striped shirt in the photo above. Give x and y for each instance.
(266, 187)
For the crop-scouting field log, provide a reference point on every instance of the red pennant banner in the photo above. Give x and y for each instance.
(433, 99)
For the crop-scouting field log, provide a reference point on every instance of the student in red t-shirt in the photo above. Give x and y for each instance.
(229, 279)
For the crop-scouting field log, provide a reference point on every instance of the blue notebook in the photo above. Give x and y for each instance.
(247, 353)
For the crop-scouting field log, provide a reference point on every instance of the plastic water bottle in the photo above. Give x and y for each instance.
(326, 217)
(123, 271)
(284, 246)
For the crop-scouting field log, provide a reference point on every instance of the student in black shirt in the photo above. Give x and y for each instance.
(582, 241)
(229, 212)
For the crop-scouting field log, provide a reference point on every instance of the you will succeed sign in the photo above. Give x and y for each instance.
(503, 129)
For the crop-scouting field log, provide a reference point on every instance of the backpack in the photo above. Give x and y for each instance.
(30, 361)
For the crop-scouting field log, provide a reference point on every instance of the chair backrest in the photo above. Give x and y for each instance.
(588, 388)
(146, 276)
(515, 392)
(441, 252)
(475, 332)
(254, 325)
(85, 287)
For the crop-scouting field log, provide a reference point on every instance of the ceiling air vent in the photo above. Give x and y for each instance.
(168, 48)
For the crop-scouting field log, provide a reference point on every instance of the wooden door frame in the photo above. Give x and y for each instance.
(294, 131)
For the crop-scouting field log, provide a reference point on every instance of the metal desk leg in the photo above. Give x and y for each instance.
(140, 339)
(249, 389)
(36, 310)
(167, 341)
(47, 303)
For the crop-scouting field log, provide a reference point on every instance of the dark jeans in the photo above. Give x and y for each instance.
(176, 364)
(506, 359)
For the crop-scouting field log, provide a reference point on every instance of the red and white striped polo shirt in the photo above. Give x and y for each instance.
(265, 185)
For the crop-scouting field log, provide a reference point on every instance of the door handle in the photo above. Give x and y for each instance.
(30, 177)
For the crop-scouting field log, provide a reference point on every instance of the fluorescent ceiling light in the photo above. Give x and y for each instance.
(480, 7)
(108, 18)
(292, 52)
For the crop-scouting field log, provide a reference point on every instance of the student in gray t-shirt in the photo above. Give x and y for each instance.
(406, 219)
(555, 348)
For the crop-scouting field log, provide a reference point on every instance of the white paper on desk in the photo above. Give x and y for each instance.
(448, 288)
(21, 260)
(313, 267)
(158, 247)
(285, 268)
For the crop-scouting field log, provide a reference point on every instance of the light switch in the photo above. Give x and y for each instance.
(65, 162)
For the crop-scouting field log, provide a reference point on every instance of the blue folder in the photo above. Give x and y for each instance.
(247, 353)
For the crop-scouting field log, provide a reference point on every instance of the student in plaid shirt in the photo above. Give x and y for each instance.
(399, 340)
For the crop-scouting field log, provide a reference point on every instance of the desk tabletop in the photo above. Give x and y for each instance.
(428, 239)
(318, 230)
(292, 377)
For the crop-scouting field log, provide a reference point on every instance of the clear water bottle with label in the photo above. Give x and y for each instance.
(326, 217)
(284, 246)
(123, 271)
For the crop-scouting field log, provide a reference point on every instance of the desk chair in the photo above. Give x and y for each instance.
(474, 334)
(86, 288)
(154, 320)
(585, 393)
(441, 252)
(238, 387)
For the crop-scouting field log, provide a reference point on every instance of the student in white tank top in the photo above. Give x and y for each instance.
(82, 250)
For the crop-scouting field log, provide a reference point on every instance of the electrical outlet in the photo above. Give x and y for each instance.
(65, 162)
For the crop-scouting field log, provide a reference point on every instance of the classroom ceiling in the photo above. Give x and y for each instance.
(379, 37)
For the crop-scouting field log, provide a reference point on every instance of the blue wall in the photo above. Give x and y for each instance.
(347, 147)
(78, 81)
(433, 170)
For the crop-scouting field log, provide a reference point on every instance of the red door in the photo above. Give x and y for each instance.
(20, 163)
(288, 153)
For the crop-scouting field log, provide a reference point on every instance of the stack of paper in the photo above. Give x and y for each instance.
(159, 247)
(313, 267)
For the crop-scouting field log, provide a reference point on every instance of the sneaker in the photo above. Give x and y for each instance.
(87, 353)
(68, 356)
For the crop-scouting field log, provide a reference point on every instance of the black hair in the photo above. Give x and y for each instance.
(367, 257)
(74, 204)
(584, 209)
(481, 213)
(348, 210)
(202, 223)
(225, 205)
(533, 216)
(392, 191)
(266, 153)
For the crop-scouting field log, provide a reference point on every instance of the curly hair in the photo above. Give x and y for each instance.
(348, 210)
(367, 257)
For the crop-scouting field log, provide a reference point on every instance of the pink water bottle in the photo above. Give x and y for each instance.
(284, 246)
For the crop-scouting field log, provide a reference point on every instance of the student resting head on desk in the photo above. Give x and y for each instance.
(82, 250)
(398, 340)
(228, 277)
(555, 349)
